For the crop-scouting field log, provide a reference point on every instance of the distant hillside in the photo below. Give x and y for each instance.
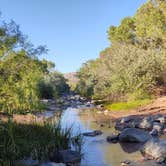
(71, 77)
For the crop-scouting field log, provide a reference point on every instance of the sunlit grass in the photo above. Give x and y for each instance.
(128, 105)
(37, 140)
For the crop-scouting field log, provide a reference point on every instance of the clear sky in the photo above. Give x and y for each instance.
(73, 30)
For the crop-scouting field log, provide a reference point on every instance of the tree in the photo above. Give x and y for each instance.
(22, 72)
(124, 33)
(150, 21)
(135, 61)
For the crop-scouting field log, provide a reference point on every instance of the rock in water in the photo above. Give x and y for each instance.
(28, 162)
(113, 138)
(134, 135)
(69, 157)
(141, 163)
(93, 133)
(52, 164)
(155, 149)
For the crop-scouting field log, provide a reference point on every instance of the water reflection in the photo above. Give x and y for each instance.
(97, 152)
(131, 147)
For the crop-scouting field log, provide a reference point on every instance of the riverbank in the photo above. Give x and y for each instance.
(52, 108)
(39, 137)
(77, 112)
(157, 106)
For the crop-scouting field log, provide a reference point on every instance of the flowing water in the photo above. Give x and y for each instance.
(96, 150)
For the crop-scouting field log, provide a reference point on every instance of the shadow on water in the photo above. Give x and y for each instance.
(131, 147)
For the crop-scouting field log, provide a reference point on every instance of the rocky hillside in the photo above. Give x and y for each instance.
(72, 80)
(71, 77)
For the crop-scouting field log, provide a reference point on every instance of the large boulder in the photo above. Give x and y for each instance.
(134, 135)
(141, 163)
(130, 147)
(155, 149)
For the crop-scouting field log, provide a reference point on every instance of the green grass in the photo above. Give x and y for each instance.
(19, 141)
(127, 105)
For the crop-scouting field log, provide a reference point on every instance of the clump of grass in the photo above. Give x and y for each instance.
(128, 105)
(20, 141)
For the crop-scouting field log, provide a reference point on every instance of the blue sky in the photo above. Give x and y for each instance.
(73, 30)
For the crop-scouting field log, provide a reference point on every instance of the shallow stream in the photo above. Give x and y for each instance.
(97, 151)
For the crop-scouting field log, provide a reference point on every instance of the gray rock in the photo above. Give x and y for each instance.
(154, 132)
(93, 133)
(27, 162)
(134, 135)
(155, 149)
(69, 156)
(113, 138)
(52, 164)
(159, 127)
(141, 163)
(122, 126)
(130, 147)
(164, 130)
(126, 119)
(161, 119)
(100, 106)
(146, 123)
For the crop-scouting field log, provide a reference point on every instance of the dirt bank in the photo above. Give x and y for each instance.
(158, 106)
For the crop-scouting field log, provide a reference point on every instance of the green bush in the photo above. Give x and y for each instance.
(135, 62)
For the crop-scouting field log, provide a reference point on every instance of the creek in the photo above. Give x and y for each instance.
(96, 150)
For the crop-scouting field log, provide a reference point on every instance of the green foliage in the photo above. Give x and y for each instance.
(124, 32)
(135, 62)
(146, 29)
(139, 95)
(125, 69)
(19, 141)
(18, 82)
(52, 85)
(150, 22)
(127, 105)
(24, 78)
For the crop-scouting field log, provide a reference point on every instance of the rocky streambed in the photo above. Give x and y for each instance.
(129, 141)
